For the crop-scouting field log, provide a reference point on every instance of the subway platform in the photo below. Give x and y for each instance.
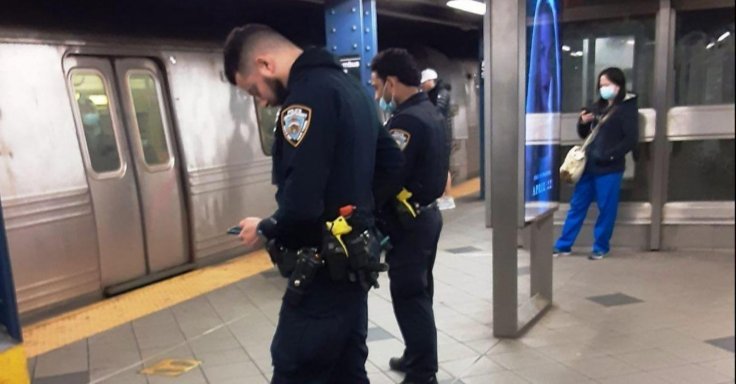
(636, 317)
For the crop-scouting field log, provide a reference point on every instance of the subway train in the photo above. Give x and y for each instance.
(124, 161)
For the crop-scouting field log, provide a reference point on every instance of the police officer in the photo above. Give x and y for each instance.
(439, 94)
(323, 161)
(413, 219)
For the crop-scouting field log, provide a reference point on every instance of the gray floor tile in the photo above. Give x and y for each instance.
(378, 333)
(726, 343)
(67, 378)
(271, 274)
(467, 249)
(69, 359)
(614, 299)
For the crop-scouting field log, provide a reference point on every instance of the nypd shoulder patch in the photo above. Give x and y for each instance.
(295, 121)
(401, 137)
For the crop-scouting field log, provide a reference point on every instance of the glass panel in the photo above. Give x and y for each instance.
(702, 170)
(591, 46)
(144, 92)
(704, 57)
(635, 185)
(267, 118)
(94, 110)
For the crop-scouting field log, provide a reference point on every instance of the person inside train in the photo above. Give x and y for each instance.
(614, 120)
(99, 136)
(439, 94)
(413, 220)
(327, 141)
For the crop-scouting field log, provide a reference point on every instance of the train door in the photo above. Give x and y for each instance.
(131, 160)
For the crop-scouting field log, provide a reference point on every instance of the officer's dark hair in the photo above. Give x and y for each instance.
(396, 62)
(242, 42)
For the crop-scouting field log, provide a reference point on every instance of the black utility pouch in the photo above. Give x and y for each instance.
(361, 246)
(308, 263)
(284, 259)
(334, 256)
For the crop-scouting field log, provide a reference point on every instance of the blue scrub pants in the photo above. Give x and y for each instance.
(605, 189)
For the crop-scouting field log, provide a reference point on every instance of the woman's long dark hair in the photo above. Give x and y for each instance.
(616, 76)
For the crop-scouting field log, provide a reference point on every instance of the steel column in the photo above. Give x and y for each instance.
(351, 35)
(506, 61)
(663, 99)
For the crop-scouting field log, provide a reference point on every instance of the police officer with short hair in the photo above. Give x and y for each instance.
(327, 138)
(412, 218)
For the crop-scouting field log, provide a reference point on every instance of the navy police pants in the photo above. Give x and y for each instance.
(412, 290)
(322, 340)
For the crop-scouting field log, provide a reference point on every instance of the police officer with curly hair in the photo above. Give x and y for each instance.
(412, 218)
(329, 147)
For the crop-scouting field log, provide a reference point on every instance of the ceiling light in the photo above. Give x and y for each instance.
(471, 6)
(724, 36)
(710, 45)
(630, 42)
(566, 48)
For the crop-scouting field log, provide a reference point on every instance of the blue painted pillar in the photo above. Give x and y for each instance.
(8, 305)
(350, 27)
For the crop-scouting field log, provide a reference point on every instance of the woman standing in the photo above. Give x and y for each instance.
(616, 117)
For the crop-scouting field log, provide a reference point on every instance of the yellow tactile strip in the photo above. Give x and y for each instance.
(99, 317)
(13, 364)
(466, 188)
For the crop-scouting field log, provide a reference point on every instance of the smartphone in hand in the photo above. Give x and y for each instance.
(234, 230)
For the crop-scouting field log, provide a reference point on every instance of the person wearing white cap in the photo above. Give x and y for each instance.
(439, 94)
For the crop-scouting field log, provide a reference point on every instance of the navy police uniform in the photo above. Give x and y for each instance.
(324, 156)
(418, 129)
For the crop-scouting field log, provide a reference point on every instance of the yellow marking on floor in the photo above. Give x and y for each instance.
(171, 367)
(102, 316)
(13, 368)
(466, 188)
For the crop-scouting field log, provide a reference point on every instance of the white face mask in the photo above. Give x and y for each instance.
(609, 92)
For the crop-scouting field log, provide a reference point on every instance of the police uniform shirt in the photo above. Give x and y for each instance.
(418, 129)
(324, 151)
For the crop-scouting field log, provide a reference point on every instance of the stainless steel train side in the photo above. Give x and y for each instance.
(184, 162)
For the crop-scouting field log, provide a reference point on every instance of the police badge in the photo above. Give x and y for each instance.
(401, 137)
(295, 121)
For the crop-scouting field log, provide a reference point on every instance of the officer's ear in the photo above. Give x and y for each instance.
(266, 66)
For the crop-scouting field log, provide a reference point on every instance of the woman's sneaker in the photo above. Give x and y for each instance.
(556, 253)
(597, 255)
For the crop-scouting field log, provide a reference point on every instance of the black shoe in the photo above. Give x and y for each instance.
(431, 380)
(397, 364)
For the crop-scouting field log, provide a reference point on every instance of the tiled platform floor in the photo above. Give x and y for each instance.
(649, 318)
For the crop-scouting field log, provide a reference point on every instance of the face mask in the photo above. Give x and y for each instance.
(388, 107)
(608, 92)
(91, 119)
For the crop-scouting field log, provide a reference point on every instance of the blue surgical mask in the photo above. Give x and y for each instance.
(91, 118)
(386, 106)
(608, 92)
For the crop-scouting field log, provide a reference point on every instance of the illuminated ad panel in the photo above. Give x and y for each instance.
(543, 96)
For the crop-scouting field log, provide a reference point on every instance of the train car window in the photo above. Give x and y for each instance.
(94, 112)
(147, 107)
(701, 170)
(588, 47)
(267, 126)
(704, 57)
